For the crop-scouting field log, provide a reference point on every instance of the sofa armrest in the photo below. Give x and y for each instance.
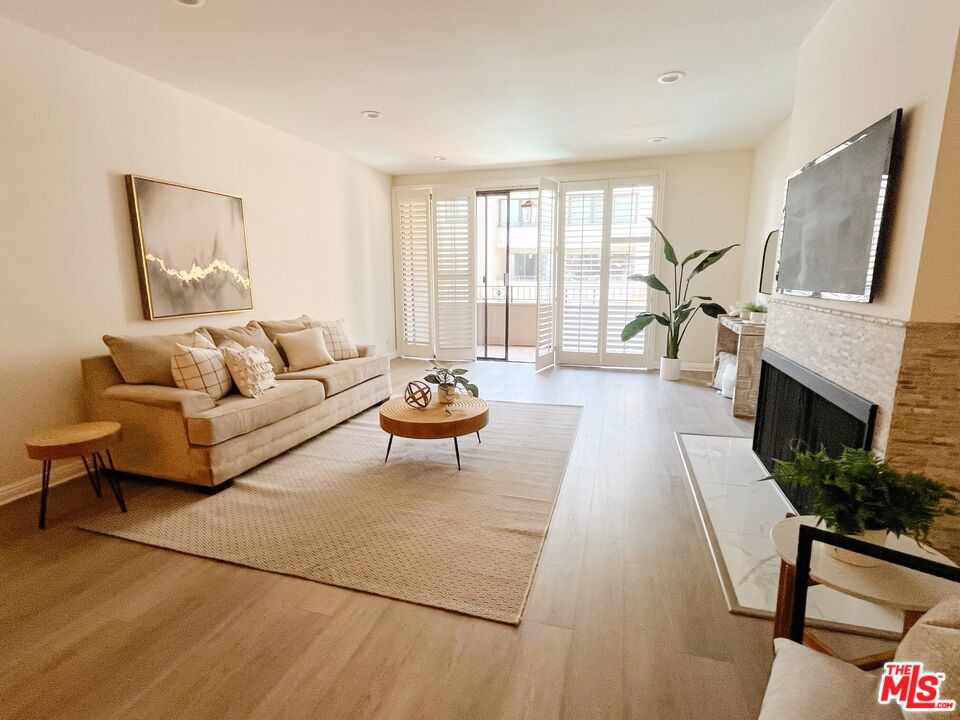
(367, 350)
(188, 402)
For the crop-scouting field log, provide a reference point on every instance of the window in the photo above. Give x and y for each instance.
(587, 210)
(523, 267)
(516, 217)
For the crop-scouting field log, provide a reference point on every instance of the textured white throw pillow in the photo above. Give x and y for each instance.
(201, 368)
(250, 368)
(336, 337)
(304, 349)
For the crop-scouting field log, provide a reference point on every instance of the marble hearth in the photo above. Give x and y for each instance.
(738, 508)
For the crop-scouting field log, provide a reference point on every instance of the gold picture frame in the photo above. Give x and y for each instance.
(191, 249)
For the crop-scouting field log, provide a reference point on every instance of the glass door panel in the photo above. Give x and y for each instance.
(491, 291)
(604, 239)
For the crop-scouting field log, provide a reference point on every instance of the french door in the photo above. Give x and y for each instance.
(604, 238)
(435, 277)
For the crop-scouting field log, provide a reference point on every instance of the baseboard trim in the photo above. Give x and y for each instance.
(61, 473)
(698, 367)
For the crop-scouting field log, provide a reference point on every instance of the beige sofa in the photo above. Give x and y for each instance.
(186, 436)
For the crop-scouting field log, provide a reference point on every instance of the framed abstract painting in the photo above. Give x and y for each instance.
(191, 248)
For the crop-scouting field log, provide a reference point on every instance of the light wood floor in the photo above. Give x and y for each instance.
(625, 619)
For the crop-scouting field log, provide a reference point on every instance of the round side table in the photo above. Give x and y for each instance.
(464, 416)
(69, 441)
(885, 584)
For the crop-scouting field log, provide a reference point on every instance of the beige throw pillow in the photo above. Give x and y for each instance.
(145, 359)
(250, 368)
(305, 349)
(336, 337)
(935, 641)
(250, 336)
(272, 328)
(201, 368)
(806, 684)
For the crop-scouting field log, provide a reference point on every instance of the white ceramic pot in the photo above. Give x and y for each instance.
(669, 368)
(744, 314)
(447, 394)
(758, 317)
(876, 537)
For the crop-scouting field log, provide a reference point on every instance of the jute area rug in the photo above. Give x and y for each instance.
(414, 529)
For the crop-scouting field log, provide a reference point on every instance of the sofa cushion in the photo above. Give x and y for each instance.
(145, 359)
(343, 374)
(236, 415)
(935, 641)
(807, 685)
(272, 328)
(249, 335)
(304, 349)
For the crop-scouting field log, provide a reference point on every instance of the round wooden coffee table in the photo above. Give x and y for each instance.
(464, 416)
(70, 441)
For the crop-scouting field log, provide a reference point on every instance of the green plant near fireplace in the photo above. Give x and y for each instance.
(683, 306)
(858, 492)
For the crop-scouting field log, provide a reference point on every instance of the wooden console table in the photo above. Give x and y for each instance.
(745, 340)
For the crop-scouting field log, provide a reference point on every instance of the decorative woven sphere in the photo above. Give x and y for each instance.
(417, 394)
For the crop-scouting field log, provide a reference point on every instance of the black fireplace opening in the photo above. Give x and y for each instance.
(799, 408)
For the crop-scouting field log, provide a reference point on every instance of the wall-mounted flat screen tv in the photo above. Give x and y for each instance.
(835, 217)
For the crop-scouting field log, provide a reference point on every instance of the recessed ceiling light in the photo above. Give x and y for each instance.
(371, 114)
(657, 139)
(190, 3)
(669, 78)
(440, 157)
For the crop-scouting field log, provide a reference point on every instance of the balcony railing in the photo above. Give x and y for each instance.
(498, 293)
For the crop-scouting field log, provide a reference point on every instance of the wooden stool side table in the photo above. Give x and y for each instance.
(70, 441)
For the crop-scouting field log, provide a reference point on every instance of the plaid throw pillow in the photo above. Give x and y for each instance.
(335, 336)
(201, 368)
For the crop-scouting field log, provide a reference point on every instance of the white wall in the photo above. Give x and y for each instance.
(72, 124)
(937, 296)
(861, 61)
(705, 201)
(770, 169)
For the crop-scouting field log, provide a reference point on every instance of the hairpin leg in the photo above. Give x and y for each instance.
(389, 445)
(456, 447)
(479, 441)
(112, 480)
(92, 477)
(44, 491)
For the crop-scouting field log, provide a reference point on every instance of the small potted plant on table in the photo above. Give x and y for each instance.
(758, 312)
(682, 306)
(859, 495)
(447, 380)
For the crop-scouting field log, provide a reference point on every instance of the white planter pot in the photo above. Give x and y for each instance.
(876, 537)
(760, 317)
(447, 394)
(669, 368)
(744, 314)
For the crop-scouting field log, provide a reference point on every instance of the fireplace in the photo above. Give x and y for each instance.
(798, 407)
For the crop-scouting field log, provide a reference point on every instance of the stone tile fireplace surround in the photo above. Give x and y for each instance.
(910, 370)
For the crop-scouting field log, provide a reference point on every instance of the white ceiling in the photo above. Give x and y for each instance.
(484, 83)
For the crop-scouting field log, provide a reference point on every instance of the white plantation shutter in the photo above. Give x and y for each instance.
(546, 271)
(632, 204)
(583, 220)
(454, 276)
(412, 230)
